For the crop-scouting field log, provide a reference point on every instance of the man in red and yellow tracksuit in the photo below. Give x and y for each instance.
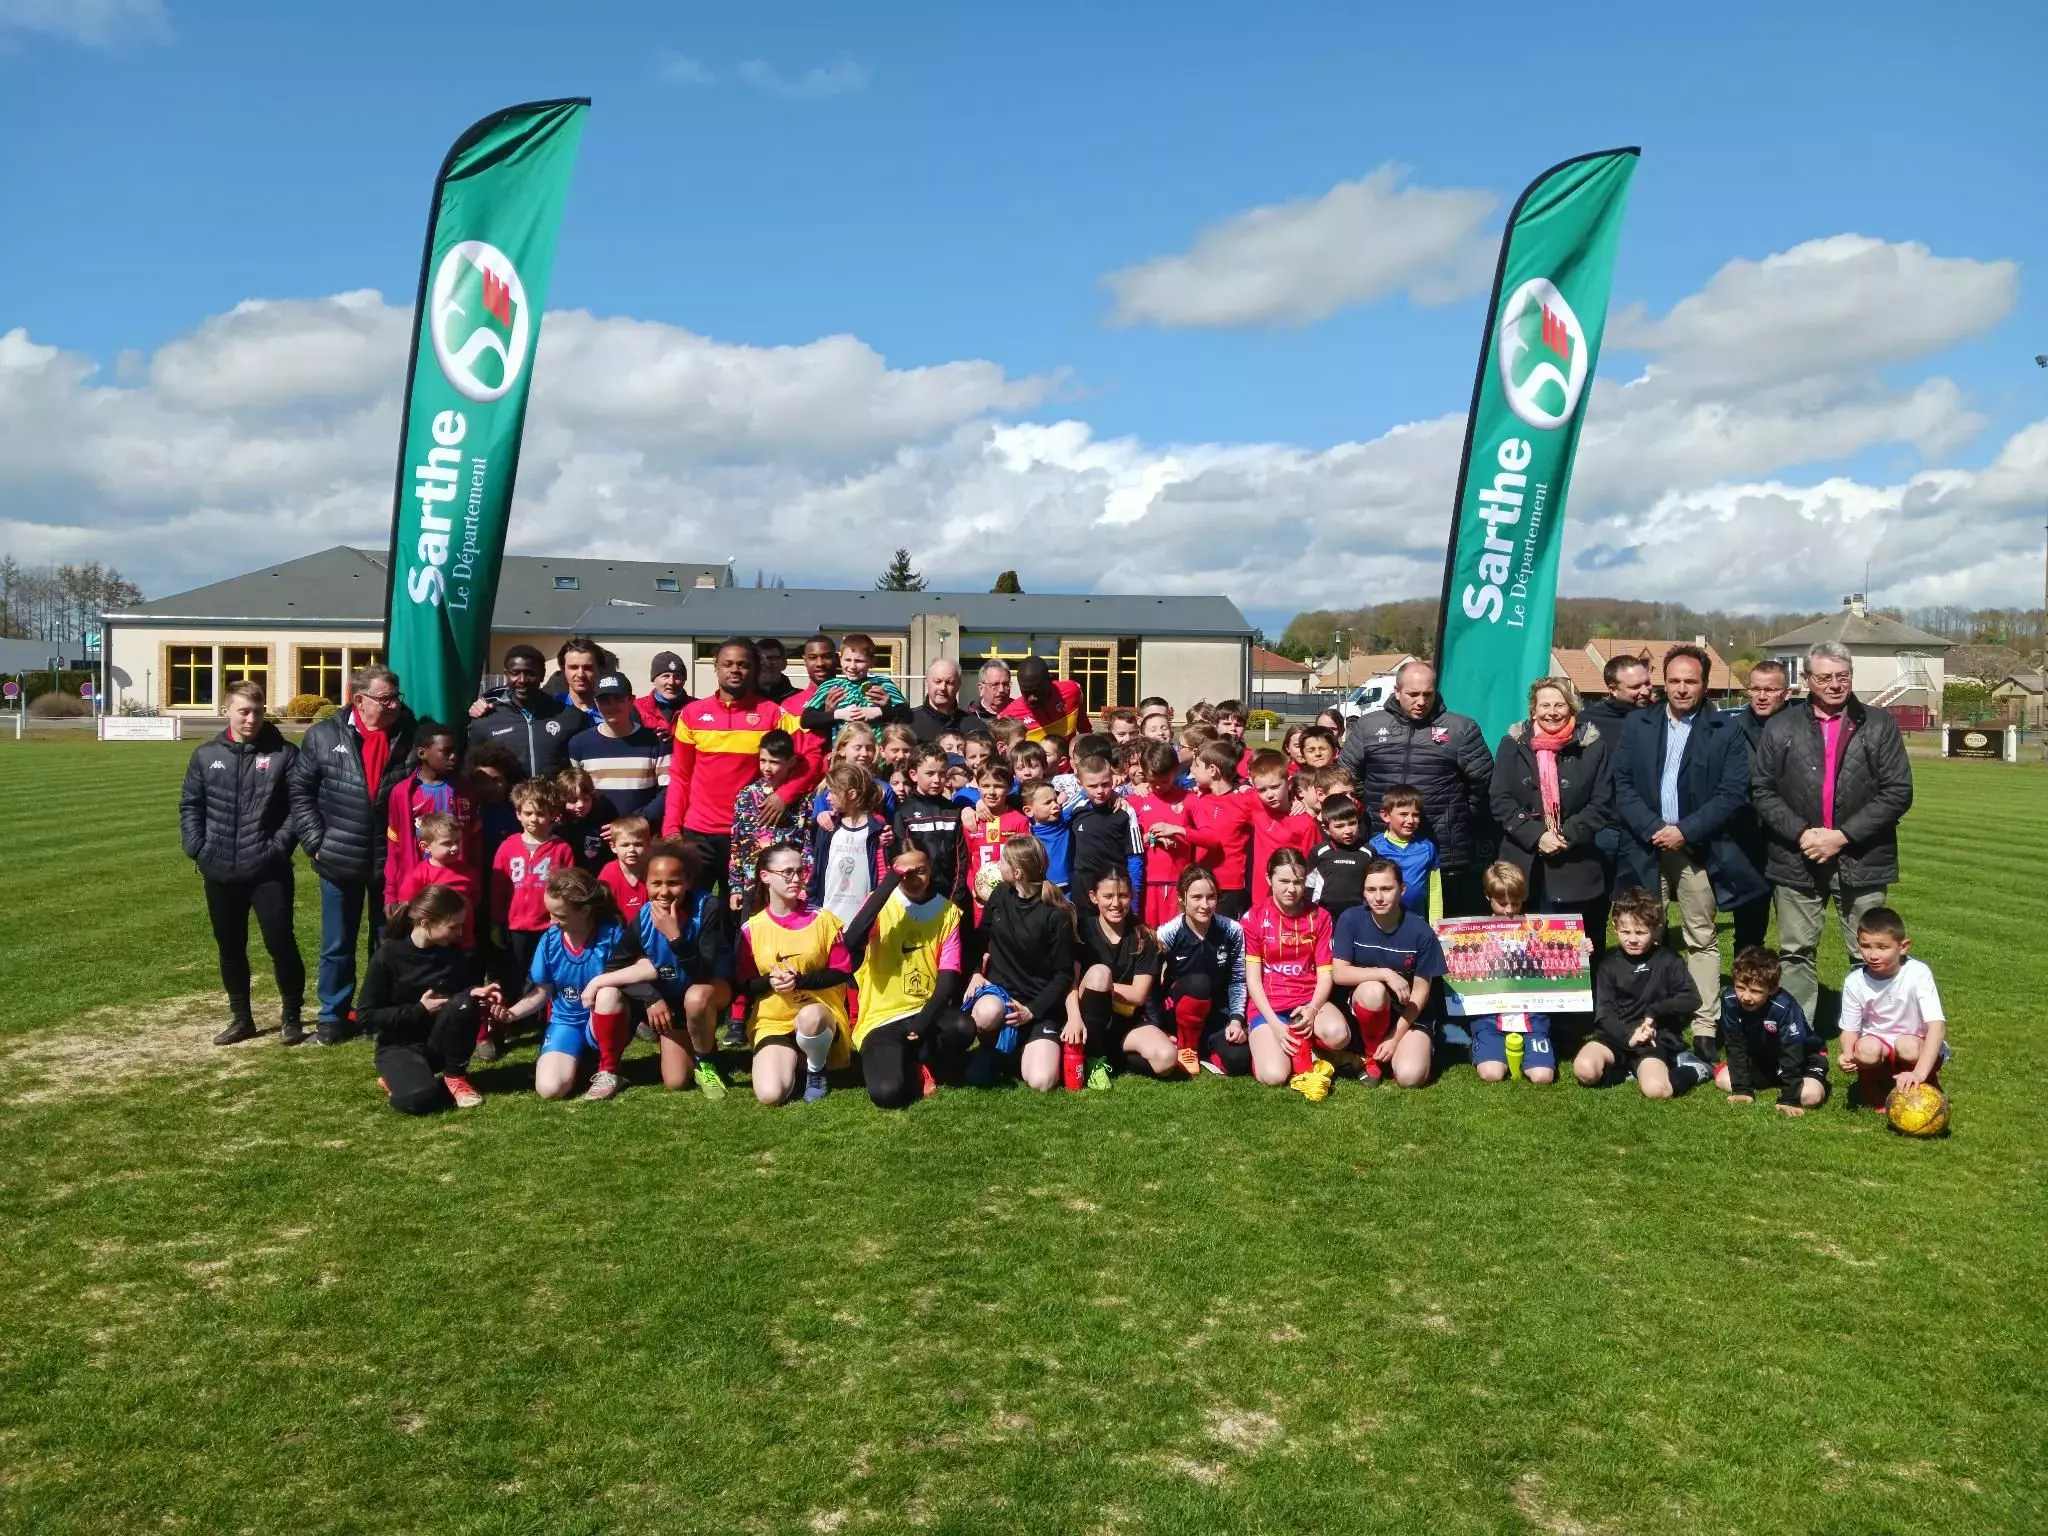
(1048, 706)
(717, 754)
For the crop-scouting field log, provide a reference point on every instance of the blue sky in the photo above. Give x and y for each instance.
(953, 183)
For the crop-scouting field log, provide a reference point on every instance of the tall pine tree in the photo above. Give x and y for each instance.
(899, 577)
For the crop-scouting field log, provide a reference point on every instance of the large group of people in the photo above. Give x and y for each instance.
(785, 882)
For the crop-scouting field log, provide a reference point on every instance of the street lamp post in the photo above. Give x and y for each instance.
(1337, 638)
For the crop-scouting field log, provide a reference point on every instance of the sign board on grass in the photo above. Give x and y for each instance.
(141, 728)
(1516, 965)
(1984, 743)
(10, 689)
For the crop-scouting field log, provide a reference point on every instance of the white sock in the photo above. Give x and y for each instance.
(816, 1048)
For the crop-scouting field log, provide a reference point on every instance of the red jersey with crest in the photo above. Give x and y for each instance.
(519, 891)
(1064, 714)
(985, 847)
(1290, 951)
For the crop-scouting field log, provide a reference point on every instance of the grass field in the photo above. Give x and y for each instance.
(238, 1294)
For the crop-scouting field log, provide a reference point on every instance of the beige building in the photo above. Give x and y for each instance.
(1897, 667)
(304, 626)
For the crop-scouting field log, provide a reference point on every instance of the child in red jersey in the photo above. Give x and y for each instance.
(446, 862)
(520, 872)
(1273, 824)
(1219, 819)
(987, 827)
(1160, 811)
(1231, 718)
(1287, 972)
(626, 876)
(434, 787)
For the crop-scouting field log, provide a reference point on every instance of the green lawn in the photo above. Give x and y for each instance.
(238, 1294)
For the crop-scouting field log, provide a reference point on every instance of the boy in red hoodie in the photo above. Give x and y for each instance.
(1273, 824)
(1219, 817)
(1160, 812)
(445, 862)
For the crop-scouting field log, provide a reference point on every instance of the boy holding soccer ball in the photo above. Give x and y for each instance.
(1894, 1034)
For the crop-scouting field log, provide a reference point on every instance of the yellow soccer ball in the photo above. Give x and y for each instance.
(1921, 1110)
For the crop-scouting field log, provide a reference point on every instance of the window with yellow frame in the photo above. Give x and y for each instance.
(245, 663)
(188, 676)
(321, 672)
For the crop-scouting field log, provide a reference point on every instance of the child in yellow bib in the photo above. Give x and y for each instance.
(793, 969)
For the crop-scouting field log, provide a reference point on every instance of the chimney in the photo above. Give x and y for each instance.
(705, 579)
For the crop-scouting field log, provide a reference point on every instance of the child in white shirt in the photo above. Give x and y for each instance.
(1893, 1031)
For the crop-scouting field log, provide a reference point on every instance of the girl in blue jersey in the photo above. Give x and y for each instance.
(581, 967)
(678, 931)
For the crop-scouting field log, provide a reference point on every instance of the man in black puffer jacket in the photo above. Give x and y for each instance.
(1832, 782)
(1414, 740)
(235, 823)
(341, 793)
(1630, 687)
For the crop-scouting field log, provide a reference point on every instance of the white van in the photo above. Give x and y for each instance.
(1368, 696)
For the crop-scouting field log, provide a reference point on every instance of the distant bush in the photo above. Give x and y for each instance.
(58, 706)
(1262, 720)
(322, 712)
(306, 706)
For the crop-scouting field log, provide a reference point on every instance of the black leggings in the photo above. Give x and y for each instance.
(890, 1055)
(228, 905)
(411, 1071)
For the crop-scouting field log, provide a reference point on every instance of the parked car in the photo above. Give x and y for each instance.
(1368, 696)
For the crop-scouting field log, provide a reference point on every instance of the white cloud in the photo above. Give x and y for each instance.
(1300, 261)
(678, 69)
(271, 430)
(1844, 304)
(92, 23)
(843, 78)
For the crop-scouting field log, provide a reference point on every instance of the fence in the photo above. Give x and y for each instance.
(1297, 706)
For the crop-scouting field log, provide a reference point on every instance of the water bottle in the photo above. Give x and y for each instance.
(1515, 1056)
(1074, 1066)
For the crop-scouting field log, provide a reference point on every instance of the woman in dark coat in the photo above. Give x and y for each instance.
(235, 821)
(1552, 792)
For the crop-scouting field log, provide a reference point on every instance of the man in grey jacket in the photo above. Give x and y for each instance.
(1414, 740)
(1832, 782)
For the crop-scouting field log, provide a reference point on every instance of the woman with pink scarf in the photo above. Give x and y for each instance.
(1553, 790)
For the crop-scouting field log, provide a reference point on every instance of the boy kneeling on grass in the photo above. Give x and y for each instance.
(1642, 997)
(1767, 1041)
(1894, 1034)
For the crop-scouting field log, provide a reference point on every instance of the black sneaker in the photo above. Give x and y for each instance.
(242, 1028)
(330, 1032)
(293, 1031)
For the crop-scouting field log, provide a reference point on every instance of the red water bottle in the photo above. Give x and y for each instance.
(1074, 1066)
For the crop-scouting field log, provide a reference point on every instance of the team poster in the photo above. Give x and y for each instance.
(1515, 965)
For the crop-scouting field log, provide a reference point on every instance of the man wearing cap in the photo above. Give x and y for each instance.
(626, 758)
(534, 726)
(658, 708)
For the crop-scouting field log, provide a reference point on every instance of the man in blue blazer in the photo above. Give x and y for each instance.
(1681, 784)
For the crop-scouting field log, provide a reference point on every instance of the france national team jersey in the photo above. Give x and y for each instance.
(1411, 950)
(559, 964)
(679, 964)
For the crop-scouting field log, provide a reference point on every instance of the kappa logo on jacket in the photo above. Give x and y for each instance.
(341, 747)
(216, 764)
